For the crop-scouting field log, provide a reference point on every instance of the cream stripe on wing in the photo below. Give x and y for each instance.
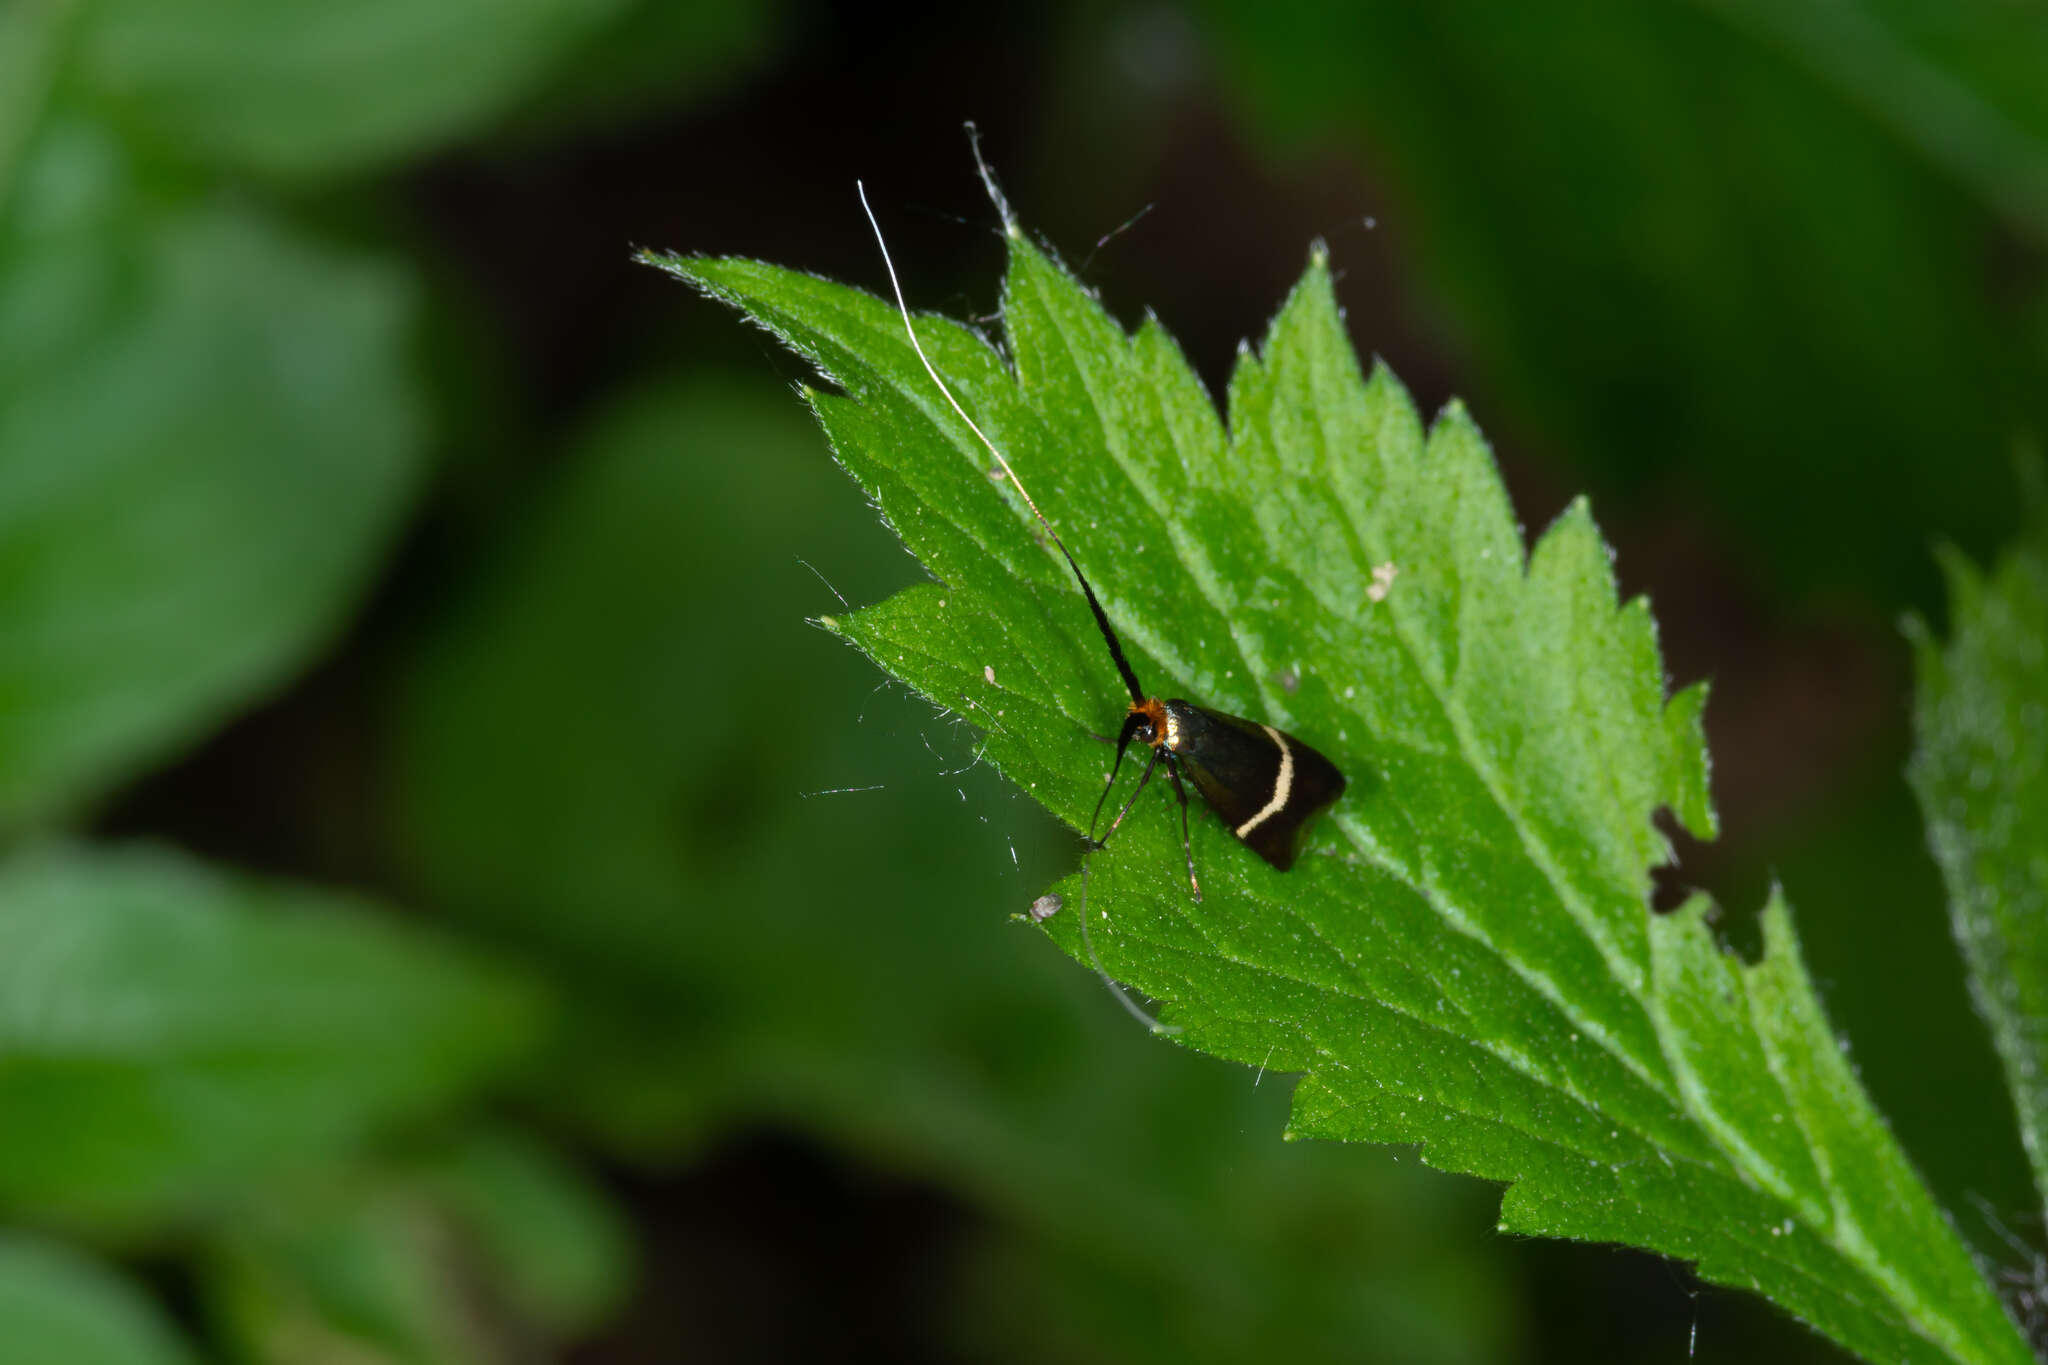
(1282, 785)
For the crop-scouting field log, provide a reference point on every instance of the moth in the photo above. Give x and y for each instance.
(1265, 784)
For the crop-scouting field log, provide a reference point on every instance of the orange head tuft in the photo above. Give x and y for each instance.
(1155, 728)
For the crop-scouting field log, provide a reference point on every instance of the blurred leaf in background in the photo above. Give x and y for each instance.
(478, 1249)
(173, 1037)
(650, 58)
(1981, 772)
(326, 88)
(208, 435)
(213, 418)
(320, 87)
(59, 1305)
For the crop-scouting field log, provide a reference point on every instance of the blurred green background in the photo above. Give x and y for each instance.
(428, 927)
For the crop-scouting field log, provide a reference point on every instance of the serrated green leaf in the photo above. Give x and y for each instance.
(206, 440)
(1981, 773)
(58, 1307)
(171, 1037)
(1466, 959)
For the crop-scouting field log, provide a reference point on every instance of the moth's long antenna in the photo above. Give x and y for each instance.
(1116, 648)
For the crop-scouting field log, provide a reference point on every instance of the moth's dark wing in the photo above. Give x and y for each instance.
(1317, 785)
(1237, 766)
(1232, 762)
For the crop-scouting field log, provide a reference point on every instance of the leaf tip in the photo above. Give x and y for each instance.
(1780, 955)
(1926, 648)
(1454, 421)
(1779, 935)
(1964, 580)
(1692, 802)
(668, 262)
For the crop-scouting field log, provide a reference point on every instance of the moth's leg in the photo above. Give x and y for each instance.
(1187, 845)
(1123, 742)
(1151, 766)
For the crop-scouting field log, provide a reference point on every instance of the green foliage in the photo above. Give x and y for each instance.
(445, 1258)
(1981, 773)
(327, 88)
(870, 987)
(1468, 960)
(207, 438)
(322, 87)
(57, 1306)
(312, 1128)
(651, 56)
(172, 1038)
(540, 1223)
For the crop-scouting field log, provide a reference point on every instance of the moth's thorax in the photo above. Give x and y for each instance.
(1159, 727)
